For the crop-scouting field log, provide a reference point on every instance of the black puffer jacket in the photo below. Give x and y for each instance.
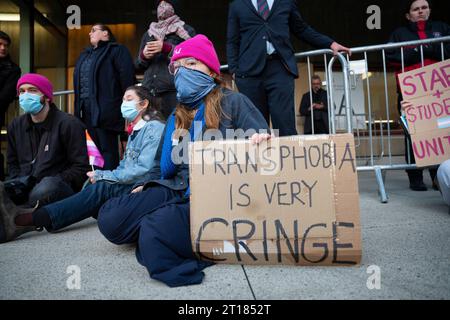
(156, 75)
(111, 73)
(9, 75)
(412, 55)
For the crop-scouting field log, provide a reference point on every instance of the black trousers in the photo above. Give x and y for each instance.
(273, 94)
(107, 141)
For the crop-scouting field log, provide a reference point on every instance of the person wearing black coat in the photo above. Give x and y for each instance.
(154, 54)
(319, 108)
(102, 74)
(418, 27)
(9, 74)
(47, 153)
(261, 56)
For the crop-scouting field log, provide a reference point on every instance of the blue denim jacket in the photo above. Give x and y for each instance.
(139, 156)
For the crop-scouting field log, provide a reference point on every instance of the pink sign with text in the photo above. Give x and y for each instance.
(428, 89)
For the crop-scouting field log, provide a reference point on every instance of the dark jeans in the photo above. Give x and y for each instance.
(84, 204)
(48, 190)
(273, 94)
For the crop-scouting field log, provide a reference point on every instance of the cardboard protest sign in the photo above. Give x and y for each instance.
(287, 201)
(428, 89)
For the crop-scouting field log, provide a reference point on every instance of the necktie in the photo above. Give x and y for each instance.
(263, 8)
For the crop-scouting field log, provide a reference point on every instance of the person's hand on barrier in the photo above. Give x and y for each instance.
(91, 176)
(138, 189)
(336, 47)
(257, 138)
(406, 105)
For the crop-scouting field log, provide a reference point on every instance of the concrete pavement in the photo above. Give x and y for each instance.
(408, 239)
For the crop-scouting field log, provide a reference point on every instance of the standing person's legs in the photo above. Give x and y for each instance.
(254, 89)
(108, 144)
(80, 206)
(321, 127)
(165, 249)
(415, 175)
(168, 103)
(119, 218)
(280, 87)
(49, 190)
(107, 141)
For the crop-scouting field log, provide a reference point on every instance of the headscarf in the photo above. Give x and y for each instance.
(168, 22)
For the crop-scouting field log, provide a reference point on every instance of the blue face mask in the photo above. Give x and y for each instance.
(192, 86)
(129, 111)
(31, 103)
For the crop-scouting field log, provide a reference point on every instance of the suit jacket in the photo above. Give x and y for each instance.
(248, 33)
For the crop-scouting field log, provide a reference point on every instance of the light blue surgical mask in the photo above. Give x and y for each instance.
(31, 103)
(129, 111)
(192, 86)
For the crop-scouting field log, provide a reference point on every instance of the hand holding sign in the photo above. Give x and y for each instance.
(427, 110)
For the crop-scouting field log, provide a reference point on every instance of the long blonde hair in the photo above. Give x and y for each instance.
(213, 110)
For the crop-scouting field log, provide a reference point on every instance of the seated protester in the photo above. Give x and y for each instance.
(443, 181)
(47, 154)
(203, 100)
(145, 130)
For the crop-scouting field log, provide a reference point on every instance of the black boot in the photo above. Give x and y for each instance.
(416, 180)
(8, 214)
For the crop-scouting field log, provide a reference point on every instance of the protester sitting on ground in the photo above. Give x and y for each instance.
(419, 27)
(146, 127)
(47, 155)
(141, 217)
(154, 54)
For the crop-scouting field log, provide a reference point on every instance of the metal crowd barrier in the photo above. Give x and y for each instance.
(385, 161)
(378, 163)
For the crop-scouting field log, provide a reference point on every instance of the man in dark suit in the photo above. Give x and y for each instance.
(261, 57)
(318, 109)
